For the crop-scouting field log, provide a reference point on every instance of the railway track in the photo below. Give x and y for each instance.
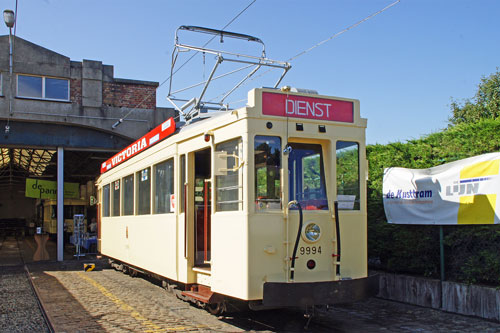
(65, 298)
(39, 302)
(22, 309)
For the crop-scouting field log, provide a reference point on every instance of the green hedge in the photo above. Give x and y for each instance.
(472, 252)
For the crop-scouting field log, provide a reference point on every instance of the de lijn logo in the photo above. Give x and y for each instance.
(472, 179)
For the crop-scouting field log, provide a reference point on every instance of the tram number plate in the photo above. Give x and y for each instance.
(310, 250)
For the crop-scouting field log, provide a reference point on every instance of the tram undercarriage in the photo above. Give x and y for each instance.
(304, 295)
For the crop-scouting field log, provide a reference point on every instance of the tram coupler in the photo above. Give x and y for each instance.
(308, 314)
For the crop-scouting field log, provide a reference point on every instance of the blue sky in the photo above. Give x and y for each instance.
(404, 65)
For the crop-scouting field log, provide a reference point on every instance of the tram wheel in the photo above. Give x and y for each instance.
(216, 308)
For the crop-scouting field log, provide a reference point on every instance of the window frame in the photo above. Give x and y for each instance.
(115, 211)
(182, 182)
(138, 180)
(171, 177)
(105, 200)
(315, 198)
(238, 141)
(132, 194)
(357, 200)
(260, 204)
(43, 88)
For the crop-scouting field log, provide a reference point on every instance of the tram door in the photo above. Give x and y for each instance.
(202, 207)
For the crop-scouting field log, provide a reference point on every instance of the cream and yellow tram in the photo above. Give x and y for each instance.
(265, 204)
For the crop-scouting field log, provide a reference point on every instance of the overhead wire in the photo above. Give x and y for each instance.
(344, 31)
(180, 67)
(329, 38)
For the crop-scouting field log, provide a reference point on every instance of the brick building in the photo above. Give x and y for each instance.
(58, 115)
(50, 88)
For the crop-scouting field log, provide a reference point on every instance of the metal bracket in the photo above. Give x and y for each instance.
(252, 62)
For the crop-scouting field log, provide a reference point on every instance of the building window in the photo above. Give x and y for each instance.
(144, 191)
(116, 198)
(267, 172)
(164, 187)
(41, 87)
(128, 195)
(229, 191)
(105, 200)
(348, 190)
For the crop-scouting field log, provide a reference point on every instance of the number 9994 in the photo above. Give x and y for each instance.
(305, 250)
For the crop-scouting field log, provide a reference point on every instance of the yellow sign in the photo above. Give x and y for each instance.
(88, 267)
(478, 208)
(462, 192)
(46, 189)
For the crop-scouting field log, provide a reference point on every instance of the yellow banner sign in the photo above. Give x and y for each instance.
(46, 189)
(461, 192)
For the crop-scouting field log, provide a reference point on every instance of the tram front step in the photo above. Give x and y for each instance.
(201, 293)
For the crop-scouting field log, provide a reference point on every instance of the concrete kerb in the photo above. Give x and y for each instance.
(470, 300)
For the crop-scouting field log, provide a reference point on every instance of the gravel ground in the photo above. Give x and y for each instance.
(19, 311)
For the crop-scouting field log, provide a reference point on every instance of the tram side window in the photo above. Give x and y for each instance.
(143, 178)
(68, 212)
(105, 200)
(348, 192)
(128, 195)
(183, 182)
(164, 187)
(71, 210)
(79, 209)
(267, 151)
(115, 197)
(229, 192)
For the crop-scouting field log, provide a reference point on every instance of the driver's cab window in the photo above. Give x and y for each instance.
(306, 175)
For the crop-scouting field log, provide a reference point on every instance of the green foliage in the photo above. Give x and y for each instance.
(475, 252)
(484, 105)
(348, 171)
(312, 171)
(415, 249)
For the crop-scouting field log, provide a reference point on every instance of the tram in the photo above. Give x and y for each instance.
(263, 204)
(47, 211)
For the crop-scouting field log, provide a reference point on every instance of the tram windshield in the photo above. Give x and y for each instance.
(306, 176)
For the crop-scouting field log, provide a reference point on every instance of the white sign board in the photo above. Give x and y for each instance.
(461, 192)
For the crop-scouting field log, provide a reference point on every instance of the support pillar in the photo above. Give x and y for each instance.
(60, 204)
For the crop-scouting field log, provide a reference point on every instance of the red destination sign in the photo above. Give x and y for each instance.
(283, 105)
(151, 138)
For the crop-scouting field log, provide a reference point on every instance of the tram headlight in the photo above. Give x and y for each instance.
(311, 232)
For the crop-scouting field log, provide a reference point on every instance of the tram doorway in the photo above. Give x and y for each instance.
(202, 207)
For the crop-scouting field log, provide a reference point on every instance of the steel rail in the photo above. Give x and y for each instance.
(35, 291)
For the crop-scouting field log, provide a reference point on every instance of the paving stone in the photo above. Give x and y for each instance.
(105, 300)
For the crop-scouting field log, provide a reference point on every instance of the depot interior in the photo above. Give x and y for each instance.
(22, 215)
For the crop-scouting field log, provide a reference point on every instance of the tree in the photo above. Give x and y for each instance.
(484, 105)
